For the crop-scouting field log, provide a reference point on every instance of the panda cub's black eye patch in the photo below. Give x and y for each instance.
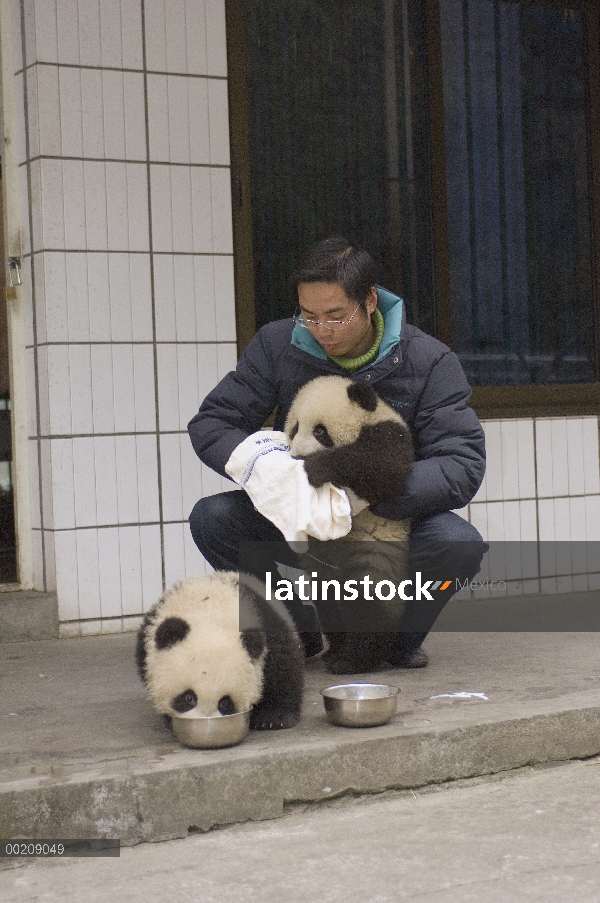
(185, 702)
(226, 706)
(294, 431)
(171, 632)
(322, 436)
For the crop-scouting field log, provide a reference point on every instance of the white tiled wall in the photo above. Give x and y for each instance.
(542, 484)
(126, 212)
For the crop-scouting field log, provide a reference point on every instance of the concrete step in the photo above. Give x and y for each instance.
(28, 615)
(84, 755)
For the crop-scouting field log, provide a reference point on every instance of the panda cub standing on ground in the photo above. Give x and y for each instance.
(192, 655)
(348, 436)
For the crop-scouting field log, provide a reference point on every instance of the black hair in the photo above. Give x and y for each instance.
(335, 259)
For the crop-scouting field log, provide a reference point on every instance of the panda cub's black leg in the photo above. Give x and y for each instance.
(354, 653)
(283, 683)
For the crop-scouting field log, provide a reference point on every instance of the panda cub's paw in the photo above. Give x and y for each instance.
(265, 720)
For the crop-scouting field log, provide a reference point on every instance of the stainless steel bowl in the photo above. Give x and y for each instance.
(360, 704)
(209, 732)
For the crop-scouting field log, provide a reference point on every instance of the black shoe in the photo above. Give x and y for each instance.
(416, 658)
(312, 642)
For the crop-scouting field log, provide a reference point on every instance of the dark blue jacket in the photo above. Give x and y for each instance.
(414, 373)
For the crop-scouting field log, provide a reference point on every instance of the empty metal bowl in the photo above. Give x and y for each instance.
(360, 704)
(209, 732)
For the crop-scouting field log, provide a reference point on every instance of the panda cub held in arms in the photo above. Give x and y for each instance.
(192, 655)
(348, 436)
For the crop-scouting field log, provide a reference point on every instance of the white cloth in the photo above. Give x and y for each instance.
(278, 486)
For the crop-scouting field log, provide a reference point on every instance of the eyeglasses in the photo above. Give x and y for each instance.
(329, 324)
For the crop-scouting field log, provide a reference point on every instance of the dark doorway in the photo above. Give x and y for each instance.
(335, 141)
(8, 558)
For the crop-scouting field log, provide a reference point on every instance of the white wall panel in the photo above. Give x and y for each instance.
(131, 570)
(222, 228)
(31, 395)
(186, 373)
(591, 465)
(182, 483)
(29, 213)
(216, 38)
(85, 32)
(175, 568)
(67, 577)
(50, 561)
(544, 465)
(92, 463)
(151, 566)
(109, 567)
(88, 573)
(224, 298)
(80, 370)
(41, 32)
(144, 392)
(179, 122)
(182, 558)
(195, 298)
(127, 480)
(38, 557)
(104, 480)
(60, 483)
(576, 476)
(34, 485)
(592, 518)
(177, 38)
(147, 479)
(18, 34)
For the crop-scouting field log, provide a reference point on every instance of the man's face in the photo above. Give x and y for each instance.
(328, 301)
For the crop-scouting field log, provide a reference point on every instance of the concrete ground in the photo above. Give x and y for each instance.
(82, 753)
(527, 837)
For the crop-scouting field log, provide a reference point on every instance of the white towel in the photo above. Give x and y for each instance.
(278, 486)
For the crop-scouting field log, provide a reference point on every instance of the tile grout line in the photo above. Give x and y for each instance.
(33, 301)
(125, 160)
(129, 252)
(153, 298)
(195, 75)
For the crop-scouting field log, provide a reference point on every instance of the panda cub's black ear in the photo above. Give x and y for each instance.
(362, 394)
(170, 632)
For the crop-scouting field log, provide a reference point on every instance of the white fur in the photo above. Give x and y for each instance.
(211, 660)
(325, 400)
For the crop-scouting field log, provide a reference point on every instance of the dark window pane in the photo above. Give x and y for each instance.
(337, 133)
(519, 214)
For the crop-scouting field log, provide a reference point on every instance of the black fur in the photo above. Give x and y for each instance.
(363, 395)
(226, 706)
(322, 436)
(185, 702)
(254, 642)
(293, 432)
(283, 670)
(171, 632)
(375, 466)
(283, 683)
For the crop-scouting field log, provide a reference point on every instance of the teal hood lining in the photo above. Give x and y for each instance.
(391, 307)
